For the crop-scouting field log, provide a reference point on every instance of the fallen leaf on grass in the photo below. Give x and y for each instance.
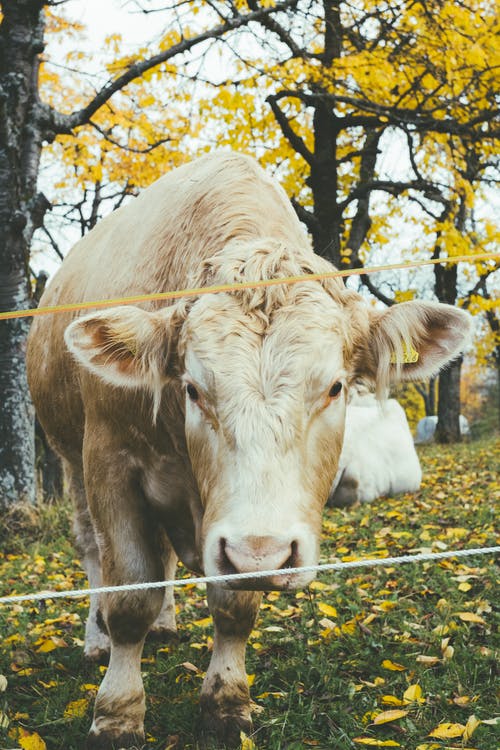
(470, 727)
(48, 685)
(447, 730)
(32, 742)
(393, 666)
(430, 660)
(75, 709)
(391, 700)
(375, 743)
(45, 645)
(246, 742)
(327, 609)
(190, 667)
(413, 694)
(462, 700)
(470, 617)
(392, 715)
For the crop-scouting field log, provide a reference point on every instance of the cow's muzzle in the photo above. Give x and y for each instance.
(251, 554)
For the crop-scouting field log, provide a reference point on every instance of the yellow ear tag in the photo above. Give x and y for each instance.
(132, 348)
(410, 356)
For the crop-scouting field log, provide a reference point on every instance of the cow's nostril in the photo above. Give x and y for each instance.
(293, 560)
(225, 565)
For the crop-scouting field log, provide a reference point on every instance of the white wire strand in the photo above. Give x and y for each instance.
(364, 563)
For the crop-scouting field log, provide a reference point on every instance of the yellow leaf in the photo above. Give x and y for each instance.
(447, 730)
(376, 743)
(470, 727)
(471, 617)
(190, 667)
(392, 715)
(393, 666)
(32, 742)
(250, 679)
(49, 644)
(75, 709)
(391, 700)
(448, 652)
(461, 700)
(246, 742)
(431, 660)
(413, 694)
(203, 623)
(318, 586)
(464, 586)
(327, 609)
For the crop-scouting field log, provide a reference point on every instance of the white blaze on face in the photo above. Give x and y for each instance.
(265, 412)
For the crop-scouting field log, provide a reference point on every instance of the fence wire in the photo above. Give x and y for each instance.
(179, 293)
(234, 577)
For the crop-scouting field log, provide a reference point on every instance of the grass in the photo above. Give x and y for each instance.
(325, 663)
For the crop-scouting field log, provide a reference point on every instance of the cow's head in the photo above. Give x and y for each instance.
(266, 373)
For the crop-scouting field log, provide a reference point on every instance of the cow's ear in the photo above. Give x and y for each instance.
(125, 346)
(411, 341)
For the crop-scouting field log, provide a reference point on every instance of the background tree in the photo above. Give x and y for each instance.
(382, 124)
(26, 123)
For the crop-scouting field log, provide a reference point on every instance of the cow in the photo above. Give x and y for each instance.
(426, 428)
(210, 427)
(378, 455)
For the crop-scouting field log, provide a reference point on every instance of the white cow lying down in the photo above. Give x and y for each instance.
(378, 455)
(426, 428)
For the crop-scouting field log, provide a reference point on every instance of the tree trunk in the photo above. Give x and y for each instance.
(448, 425)
(328, 227)
(448, 411)
(21, 41)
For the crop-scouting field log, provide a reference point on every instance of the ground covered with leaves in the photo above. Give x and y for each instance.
(392, 656)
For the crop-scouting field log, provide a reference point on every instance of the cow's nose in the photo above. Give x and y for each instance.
(250, 554)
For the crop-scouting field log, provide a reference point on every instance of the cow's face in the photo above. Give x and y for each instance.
(265, 412)
(265, 402)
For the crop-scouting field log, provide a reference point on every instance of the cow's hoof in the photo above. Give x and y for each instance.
(97, 654)
(225, 730)
(108, 741)
(162, 635)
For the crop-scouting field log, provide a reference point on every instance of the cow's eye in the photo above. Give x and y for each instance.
(192, 392)
(335, 389)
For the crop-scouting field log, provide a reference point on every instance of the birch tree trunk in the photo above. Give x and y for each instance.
(21, 41)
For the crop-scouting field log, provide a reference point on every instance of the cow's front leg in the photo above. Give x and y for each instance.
(120, 703)
(130, 552)
(225, 697)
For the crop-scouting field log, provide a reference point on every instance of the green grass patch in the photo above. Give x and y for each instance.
(327, 664)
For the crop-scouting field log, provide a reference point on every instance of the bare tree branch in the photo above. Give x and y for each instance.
(106, 134)
(295, 140)
(55, 122)
(365, 279)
